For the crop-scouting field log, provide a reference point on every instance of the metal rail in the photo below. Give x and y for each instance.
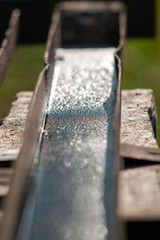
(9, 42)
(27, 162)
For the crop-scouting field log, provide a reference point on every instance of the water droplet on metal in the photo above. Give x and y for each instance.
(64, 232)
(98, 169)
(67, 163)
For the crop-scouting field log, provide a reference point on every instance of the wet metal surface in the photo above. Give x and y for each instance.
(68, 199)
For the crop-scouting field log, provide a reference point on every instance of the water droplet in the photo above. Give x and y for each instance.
(67, 163)
(84, 162)
(99, 169)
(96, 194)
(71, 143)
(83, 232)
(102, 231)
(64, 232)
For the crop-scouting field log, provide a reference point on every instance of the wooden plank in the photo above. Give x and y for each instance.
(138, 118)
(8, 156)
(139, 191)
(139, 194)
(11, 131)
(5, 179)
(139, 153)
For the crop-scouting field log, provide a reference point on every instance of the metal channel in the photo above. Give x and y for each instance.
(9, 42)
(73, 165)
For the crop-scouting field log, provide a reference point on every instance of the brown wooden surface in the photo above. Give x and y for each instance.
(5, 179)
(139, 193)
(139, 190)
(138, 120)
(11, 131)
(140, 153)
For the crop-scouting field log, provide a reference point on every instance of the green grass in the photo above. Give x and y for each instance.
(22, 74)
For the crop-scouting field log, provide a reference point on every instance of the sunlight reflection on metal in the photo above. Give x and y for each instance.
(70, 181)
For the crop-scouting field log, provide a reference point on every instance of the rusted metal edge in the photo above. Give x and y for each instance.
(117, 227)
(91, 6)
(54, 36)
(32, 136)
(34, 129)
(9, 42)
(14, 203)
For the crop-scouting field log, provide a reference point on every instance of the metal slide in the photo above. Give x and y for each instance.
(65, 183)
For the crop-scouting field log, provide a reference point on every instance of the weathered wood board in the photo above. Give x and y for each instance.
(138, 118)
(11, 131)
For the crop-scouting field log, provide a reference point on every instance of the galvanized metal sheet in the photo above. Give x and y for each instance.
(69, 193)
(26, 171)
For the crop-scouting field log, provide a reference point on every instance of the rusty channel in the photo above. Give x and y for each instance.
(27, 212)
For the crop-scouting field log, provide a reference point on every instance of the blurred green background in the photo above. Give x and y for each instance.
(22, 74)
(141, 68)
